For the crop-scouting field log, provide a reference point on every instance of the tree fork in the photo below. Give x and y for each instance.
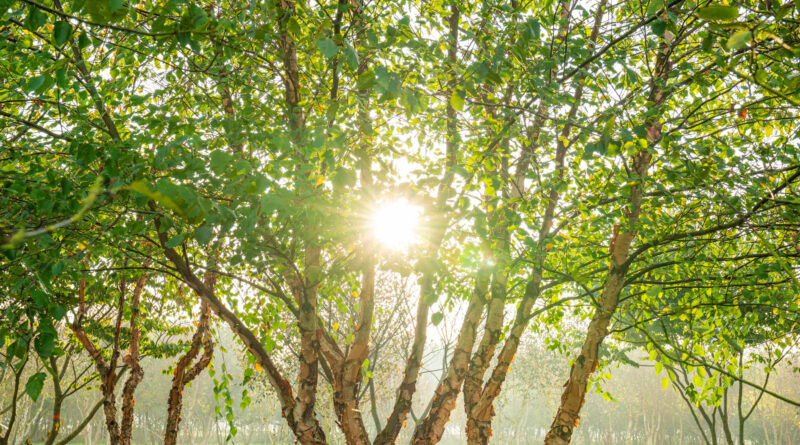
(306, 430)
(408, 386)
(132, 360)
(444, 400)
(181, 377)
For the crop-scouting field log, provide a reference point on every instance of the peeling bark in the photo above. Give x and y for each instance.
(574, 395)
(495, 311)
(408, 386)
(305, 294)
(473, 381)
(291, 77)
(348, 376)
(132, 360)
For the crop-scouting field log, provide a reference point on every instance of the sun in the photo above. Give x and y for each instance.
(394, 224)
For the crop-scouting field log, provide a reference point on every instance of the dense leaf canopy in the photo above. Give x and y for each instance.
(628, 168)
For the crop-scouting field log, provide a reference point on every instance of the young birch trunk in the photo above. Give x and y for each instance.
(480, 415)
(408, 386)
(574, 394)
(181, 377)
(473, 381)
(307, 431)
(347, 374)
(132, 360)
(58, 399)
(118, 434)
(305, 293)
(430, 431)
(495, 311)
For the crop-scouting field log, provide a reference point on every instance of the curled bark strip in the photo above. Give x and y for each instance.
(132, 360)
(305, 294)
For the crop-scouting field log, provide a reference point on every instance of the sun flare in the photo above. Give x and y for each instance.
(394, 224)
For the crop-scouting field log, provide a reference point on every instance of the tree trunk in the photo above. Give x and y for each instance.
(181, 377)
(306, 429)
(408, 386)
(430, 431)
(132, 360)
(574, 395)
(481, 413)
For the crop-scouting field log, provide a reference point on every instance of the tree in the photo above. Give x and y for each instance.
(569, 159)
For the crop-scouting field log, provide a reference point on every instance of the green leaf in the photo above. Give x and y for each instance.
(457, 100)
(203, 234)
(659, 27)
(654, 291)
(654, 7)
(35, 19)
(114, 5)
(708, 42)
(36, 82)
(83, 40)
(437, 318)
(141, 187)
(732, 342)
(219, 160)
(58, 312)
(366, 80)
(40, 298)
(738, 39)
(44, 344)
(697, 381)
(761, 75)
(343, 177)
(718, 12)
(270, 202)
(61, 78)
(350, 57)
(327, 48)
(35, 384)
(665, 382)
(61, 32)
(175, 241)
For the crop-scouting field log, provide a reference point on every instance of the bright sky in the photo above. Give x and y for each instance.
(394, 224)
